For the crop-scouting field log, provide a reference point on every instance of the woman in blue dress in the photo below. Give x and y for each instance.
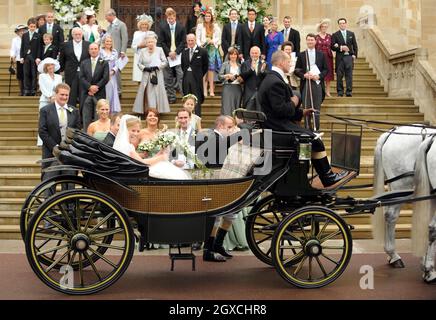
(273, 41)
(109, 54)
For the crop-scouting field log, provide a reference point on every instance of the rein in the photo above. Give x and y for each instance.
(364, 123)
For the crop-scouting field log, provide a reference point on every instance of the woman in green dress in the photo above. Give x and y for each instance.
(100, 128)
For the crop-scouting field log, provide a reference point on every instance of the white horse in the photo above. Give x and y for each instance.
(395, 155)
(424, 212)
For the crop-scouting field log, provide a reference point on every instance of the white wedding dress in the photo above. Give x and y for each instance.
(159, 170)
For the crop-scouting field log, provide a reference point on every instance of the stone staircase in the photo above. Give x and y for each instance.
(19, 172)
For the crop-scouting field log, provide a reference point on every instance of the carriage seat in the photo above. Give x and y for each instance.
(81, 150)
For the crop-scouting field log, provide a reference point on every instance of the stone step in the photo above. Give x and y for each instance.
(19, 179)
(10, 232)
(352, 101)
(15, 191)
(12, 204)
(22, 164)
(10, 218)
(18, 151)
(17, 142)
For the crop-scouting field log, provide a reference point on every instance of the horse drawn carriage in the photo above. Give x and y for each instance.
(80, 228)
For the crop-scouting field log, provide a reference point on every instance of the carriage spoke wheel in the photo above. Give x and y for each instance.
(70, 228)
(312, 247)
(42, 192)
(260, 228)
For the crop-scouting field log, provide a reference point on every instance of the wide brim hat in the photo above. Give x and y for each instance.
(20, 27)
(48, 61)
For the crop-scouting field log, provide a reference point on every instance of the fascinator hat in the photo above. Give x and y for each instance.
(146, 18)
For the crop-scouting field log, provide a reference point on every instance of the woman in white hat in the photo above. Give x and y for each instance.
(90, 29)
(48, 80)
(144, 25)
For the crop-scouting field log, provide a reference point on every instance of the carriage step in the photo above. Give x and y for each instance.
(181, 256)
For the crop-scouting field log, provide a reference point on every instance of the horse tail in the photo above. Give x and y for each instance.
(422, 210)
(378, 219)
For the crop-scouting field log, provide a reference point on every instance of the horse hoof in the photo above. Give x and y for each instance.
(398, 264)
(429, 278)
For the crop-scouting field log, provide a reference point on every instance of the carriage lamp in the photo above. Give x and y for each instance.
(305, 148)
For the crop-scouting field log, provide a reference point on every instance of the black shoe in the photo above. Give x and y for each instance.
(223, 252)
(332, 178)
(340, 95)
(213, 256)
(349, 95)
(196, 246)
(326, 175)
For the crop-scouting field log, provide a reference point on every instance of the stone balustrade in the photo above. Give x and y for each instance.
(404, 74)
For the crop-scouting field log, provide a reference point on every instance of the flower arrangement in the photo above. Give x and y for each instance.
(170, 139)
(66, 10)
(223, 8)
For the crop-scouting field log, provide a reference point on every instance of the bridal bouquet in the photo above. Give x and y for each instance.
(163, 140)
(170, 139)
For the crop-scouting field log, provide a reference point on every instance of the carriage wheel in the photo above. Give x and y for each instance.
(71, 226)
(43, 191)
(319, 240)
(260, 228)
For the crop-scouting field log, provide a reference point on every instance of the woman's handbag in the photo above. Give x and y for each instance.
(153, 78)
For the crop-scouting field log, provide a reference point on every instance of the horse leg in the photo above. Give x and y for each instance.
(392, 213)
(428, 263)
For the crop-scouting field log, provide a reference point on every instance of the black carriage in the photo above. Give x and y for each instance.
(80, 229)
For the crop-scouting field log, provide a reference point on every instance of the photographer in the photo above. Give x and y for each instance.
(232, 88)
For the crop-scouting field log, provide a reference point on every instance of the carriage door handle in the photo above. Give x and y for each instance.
(205, 199)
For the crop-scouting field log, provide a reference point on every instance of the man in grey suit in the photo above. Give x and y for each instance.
(118, 30)
(54, 119)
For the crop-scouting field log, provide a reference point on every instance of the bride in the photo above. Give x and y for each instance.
(160, 167)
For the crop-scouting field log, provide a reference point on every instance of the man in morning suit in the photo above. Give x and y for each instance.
(280, 107)
(29, 53)
(120, 37)
(94, 75)
(252, 72)
(195, 64)
(54, 119)
(72, 54)
(79, 23)
(172, 37)
(304, 69)
(232, 33)
(345, 45)
(290, 34)
(52, 28)
(253, 34)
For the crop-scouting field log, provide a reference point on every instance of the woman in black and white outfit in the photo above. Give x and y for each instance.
(232, 88)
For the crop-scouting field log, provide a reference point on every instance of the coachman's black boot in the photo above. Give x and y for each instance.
(326, 175)
(218, 245)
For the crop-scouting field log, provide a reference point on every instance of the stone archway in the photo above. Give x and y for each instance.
(128, 10)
